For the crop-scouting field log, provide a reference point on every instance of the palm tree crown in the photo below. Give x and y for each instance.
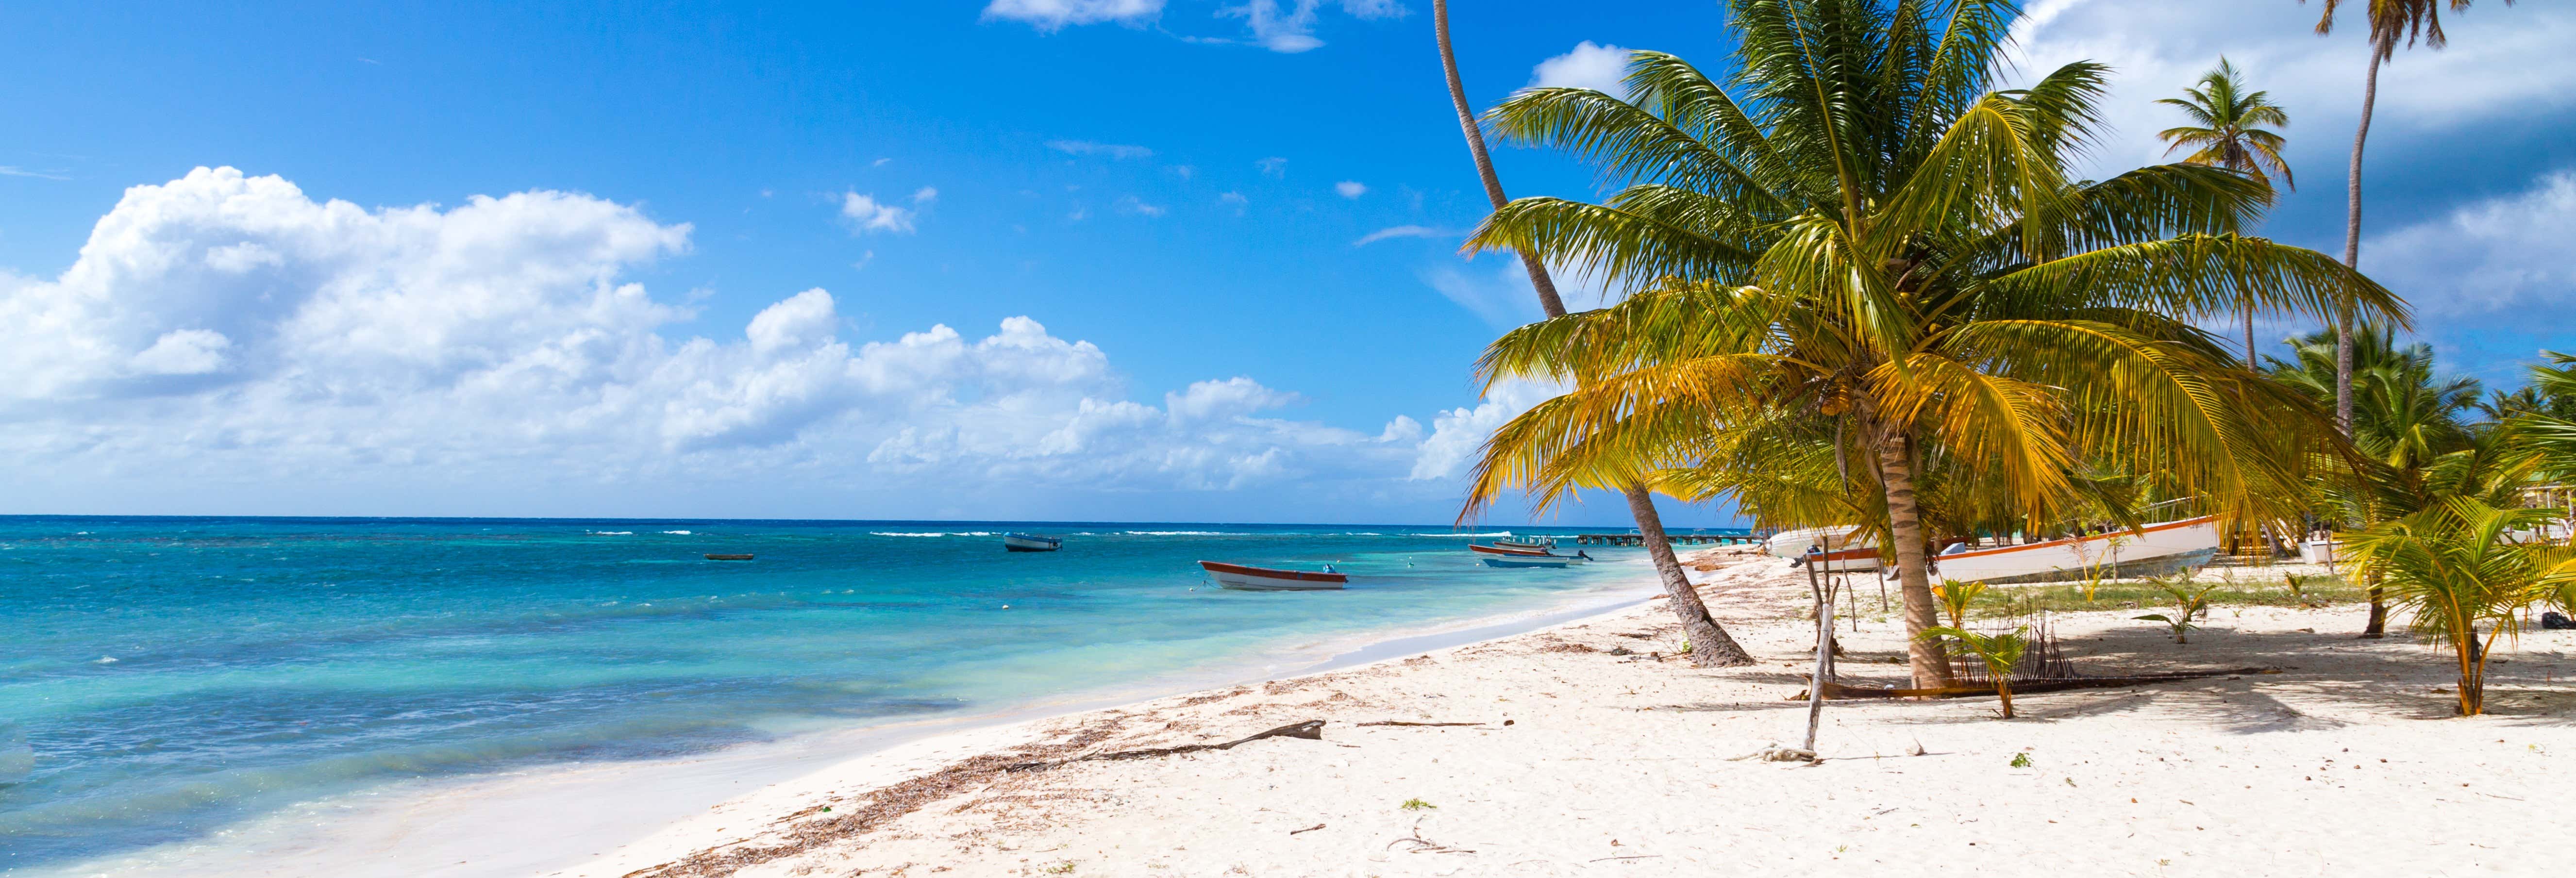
(2227, 126)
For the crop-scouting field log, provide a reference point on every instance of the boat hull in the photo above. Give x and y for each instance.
(1795, 543)
(1509, 562)
(1031, 543)
(1539, 545)
(1502, 550)
(1845, 561)
(1242, 578)
(2154, 550)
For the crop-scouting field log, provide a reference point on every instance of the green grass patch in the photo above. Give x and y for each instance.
(2009, 601)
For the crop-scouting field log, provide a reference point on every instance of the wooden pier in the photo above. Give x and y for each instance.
(1678, 539)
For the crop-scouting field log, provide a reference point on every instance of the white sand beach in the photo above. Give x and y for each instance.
(1587, 749)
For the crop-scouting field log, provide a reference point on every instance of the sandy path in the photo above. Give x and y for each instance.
(1583, 761)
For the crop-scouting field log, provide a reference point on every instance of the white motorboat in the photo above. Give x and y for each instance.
(1483, 549)
(1555, 561)
(1542, 544)
(1017, 542)
(1243, 578)
(2153, 550)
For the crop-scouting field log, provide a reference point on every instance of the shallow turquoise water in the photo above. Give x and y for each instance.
(165, 676)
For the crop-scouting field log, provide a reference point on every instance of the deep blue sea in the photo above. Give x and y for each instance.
(163, 677)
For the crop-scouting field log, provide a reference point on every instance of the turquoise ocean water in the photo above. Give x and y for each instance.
(164, 677)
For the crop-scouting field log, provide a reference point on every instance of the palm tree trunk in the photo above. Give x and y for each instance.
(1924, 656)
(1710, 645)
(2379, 49)
(1547, 298)
(2249, 339)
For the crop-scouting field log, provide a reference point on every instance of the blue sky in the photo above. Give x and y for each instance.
(1140, 222)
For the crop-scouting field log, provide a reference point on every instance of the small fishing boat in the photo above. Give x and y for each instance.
(1017, 542)
(1558, 562)
(714, 557)
(1243, 578)
(1502, 550)
(2154, 550)
(1543, 544)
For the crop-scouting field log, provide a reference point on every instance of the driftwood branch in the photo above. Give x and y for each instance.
(1312, 730)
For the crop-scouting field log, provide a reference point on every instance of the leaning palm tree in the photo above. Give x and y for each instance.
(2227, 131)
(2389, 20)
(1858, 236)
(1710, 644)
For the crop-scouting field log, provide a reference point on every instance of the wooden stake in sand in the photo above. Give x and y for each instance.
(1824, 649)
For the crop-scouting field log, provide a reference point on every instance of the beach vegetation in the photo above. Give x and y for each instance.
(2000, 652)
(2189, 603)
(1417, 805)
(1955, 596)
(1865, 287)
(2456, 569)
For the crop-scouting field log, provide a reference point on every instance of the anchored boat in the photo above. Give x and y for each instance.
(1031, 543)
(1243, 578)
(1507, 550)
(1543, 544)
(1551, 561)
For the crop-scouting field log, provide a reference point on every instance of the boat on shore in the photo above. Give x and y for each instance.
(1246, 578)
(1019, 542)
(2153, 550)
(1507, 550)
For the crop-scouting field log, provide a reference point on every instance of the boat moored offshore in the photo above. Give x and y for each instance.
(1247, 578)
(1019, 542)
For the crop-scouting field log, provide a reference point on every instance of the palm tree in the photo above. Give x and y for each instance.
(2389, 19)
(2227, 132)
(2454, 567)
(1857, 237)
(1710, 644)
(2404, 419)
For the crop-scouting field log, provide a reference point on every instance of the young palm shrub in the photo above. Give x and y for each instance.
(1955, 597)
(2452, 569)
(2000, 652)
(1857, 236)
(2188, 603)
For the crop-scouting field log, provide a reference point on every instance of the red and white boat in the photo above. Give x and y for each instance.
(1509, 550)
(1242, 578)
(2153, 550)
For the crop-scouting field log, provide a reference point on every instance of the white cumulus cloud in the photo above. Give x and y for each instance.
(1351, 188)
(1596, 67)
(229, 335)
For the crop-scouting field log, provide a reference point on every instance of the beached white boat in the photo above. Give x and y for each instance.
(1031, 543)
(2154, 550)
(1846, 549)
(1242, 578)
(1506, 550)
(1795, 543)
